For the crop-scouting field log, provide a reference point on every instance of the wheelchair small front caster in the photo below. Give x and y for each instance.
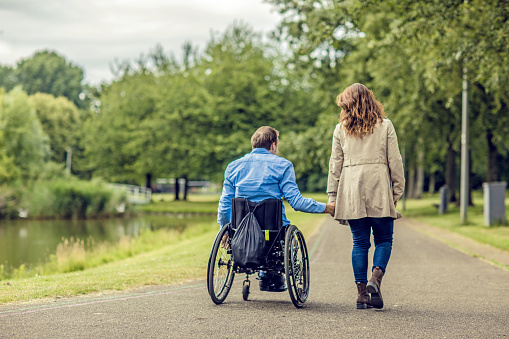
(245, 289)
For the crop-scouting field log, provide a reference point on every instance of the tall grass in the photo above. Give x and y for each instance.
(76, 254)
(71, 198)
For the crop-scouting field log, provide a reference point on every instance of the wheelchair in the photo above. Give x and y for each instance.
(285, 252)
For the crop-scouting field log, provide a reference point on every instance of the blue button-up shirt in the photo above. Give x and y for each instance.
(260, 175)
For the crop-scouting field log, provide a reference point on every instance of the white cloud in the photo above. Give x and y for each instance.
(93, 33)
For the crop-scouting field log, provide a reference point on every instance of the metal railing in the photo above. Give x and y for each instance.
(135, 194)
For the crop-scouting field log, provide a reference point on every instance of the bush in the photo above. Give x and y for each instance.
(72, 198)
(9, 200)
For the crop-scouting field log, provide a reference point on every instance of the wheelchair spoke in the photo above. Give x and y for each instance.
(297, 266)
(297, 262)
(220, 272)
(223, 267)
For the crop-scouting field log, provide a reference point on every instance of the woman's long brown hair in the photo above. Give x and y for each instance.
(360, 111)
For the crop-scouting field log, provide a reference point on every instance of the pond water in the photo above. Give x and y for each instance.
(31, 242)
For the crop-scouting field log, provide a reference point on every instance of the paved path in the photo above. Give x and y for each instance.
(430, 291)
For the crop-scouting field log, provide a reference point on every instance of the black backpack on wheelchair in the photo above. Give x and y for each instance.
(256, 240)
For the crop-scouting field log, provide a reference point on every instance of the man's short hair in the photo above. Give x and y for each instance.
(264, 137)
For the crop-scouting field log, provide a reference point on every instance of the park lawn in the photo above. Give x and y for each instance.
(166, 203)
(181, 261)
(424, 211)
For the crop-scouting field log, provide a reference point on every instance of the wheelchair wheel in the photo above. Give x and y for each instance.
(296, 266)
(220, 271)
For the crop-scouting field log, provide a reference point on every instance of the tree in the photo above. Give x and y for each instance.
(121, 142)
(412, 55)
(23, 142)
(7, 77)
(60, 120)
(251, 86)
(49, 72)
(212, 105)
(456, 34)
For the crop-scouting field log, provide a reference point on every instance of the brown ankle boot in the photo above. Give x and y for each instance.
(373, 287)
(363, 301)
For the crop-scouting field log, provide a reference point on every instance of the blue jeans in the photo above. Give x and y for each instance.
(383, 229)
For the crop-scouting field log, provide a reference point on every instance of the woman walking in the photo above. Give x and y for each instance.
(366, 180)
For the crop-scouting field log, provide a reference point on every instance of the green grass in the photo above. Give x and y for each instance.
(179, 261)
(155, 258)
(165, 203)
(424, 211)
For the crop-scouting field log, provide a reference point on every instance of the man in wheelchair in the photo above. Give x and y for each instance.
(262, 175)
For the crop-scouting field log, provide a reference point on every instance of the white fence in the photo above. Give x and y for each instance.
(135, 194)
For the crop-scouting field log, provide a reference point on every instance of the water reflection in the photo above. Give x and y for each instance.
(32, 241)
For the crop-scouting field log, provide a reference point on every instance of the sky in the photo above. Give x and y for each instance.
(92, 33)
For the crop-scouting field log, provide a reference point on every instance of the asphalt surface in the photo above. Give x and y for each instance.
(430, 291)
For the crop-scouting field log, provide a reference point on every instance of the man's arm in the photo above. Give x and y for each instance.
(224, 209)
(288, 186)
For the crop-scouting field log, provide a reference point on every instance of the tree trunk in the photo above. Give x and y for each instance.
(185, 187)
(177, 188)
(493, 158)
(148, 180)
(419, 181)
(450, 172)
(411, 182)
(431, 188)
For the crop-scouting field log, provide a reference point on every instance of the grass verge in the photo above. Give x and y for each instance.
(165, 203)
(424, 211)
(155, 258)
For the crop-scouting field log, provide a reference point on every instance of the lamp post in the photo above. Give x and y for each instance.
(464, 151)
(464, 187)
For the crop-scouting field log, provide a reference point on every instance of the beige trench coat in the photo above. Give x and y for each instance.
(366, 174)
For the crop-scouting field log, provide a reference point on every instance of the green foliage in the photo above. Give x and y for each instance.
(190, 120)
(310, 150)
(411, 54)
(71, 198)
(59, 118)
(7, 77)
(121, 138)
(49, 72)
(23, 144)
(10, 196)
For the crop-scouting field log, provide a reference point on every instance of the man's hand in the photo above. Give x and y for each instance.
(395, 204)
(330, 208)
(224, 242)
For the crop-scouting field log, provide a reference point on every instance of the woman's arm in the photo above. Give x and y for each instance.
(335, 166)
(395, 164)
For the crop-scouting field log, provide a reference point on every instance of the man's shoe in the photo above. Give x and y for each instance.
(264, 283)
(272, 283)
(278, 283)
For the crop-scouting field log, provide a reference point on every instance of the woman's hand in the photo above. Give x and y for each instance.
(330, 208)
